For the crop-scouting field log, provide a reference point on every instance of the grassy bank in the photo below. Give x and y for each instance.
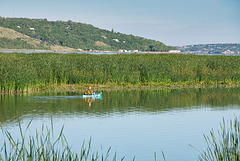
(27, 72)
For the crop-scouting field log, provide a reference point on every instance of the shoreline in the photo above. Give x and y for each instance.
(99, 87)
(82, 51)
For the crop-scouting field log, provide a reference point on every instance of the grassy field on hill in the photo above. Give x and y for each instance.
(36, 71)
(10, 39)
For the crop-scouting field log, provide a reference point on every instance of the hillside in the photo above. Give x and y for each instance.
(212, 48)
(77, 36)
(10, 39)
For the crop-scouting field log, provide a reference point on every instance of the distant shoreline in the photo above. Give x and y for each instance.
(77, 51)
(100, 87)
(100, 52)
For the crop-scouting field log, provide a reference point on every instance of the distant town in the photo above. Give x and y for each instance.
(203, 49)
(211, 49)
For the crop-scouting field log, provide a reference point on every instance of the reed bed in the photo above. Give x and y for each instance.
(225, 145)
(43, 147)
(23, 72)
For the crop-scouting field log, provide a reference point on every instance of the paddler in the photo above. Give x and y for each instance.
(89, 91)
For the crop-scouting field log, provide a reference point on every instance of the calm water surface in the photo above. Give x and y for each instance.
(131, 122)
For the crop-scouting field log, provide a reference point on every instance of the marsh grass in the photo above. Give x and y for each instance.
(26, 72)
(225, 145)
(43, 147)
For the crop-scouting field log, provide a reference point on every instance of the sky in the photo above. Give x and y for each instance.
(173, 22)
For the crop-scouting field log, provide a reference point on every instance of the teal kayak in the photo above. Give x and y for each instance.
(93, 95)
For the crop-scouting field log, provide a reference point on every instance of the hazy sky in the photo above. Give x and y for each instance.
(174, 22)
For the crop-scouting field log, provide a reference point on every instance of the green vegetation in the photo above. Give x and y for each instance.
(27, 71)
(225, 146)
(43, 147)
(80, 36)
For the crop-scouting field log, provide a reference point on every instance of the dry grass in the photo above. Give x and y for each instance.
(62, 48)
(11, 34)
(99, 43)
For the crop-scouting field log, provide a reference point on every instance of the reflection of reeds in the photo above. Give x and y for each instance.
(22, 72)
(225, 146)
(41, 146)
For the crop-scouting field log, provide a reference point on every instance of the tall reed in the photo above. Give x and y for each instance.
(43, 147)
(225, 145)
(22, 72)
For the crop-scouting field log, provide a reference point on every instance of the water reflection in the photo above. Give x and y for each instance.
(90, 100)
(133, 122)
(17, 107)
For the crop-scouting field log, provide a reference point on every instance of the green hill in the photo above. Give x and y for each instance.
(75, 35)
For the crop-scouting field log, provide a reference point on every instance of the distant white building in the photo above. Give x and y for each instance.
(104, 37)
(18, 27)
(129, 51)
(116, 40)
(228, 52)
(31, 28)
(174, 51)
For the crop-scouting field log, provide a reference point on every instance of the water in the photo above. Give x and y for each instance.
(96, 53)
(131, 122)
(60, 52)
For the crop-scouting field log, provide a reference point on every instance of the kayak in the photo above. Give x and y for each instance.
(93, 95)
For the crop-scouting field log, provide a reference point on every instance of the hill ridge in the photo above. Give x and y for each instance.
(77, 35)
